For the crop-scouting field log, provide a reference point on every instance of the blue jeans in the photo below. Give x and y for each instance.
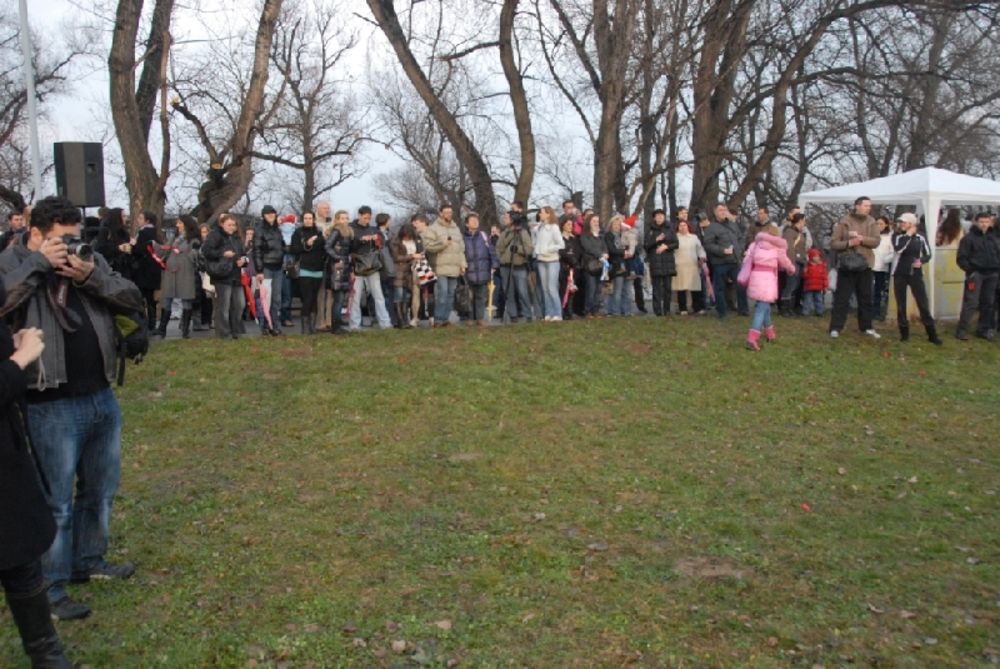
(278, 281)
(812, 302)
(618, 304)
(548, 272)
(761, 316)
(515, 289)
(592, 289)
(365, 286)
(444, 298)
(77, 441)
(720, 274)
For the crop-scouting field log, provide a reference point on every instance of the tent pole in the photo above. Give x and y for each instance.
(931, 207)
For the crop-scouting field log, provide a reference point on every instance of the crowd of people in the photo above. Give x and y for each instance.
(65, 285)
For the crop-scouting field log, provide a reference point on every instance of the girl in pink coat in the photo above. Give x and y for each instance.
(759, 275)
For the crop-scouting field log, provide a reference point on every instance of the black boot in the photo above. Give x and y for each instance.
(186, 324)
(932, 335)
(38, 636)
(401, 320)
(164, 319)
(904, 333)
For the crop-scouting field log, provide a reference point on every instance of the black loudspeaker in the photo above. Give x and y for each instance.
(80, 172)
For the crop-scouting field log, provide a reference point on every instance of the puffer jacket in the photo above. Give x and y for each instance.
(815, 277)
(884, 254)
(480, 257)
(268, 247)
(449, 259)
(338, 250)
(661, 264)
(759, 273)
(979, 252)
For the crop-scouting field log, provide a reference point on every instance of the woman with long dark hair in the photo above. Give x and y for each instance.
(114, 242)
(26, 525)
(180, 277)
(148, 263)
(309, 248)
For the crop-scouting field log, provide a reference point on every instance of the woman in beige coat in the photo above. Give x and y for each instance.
(688, 259)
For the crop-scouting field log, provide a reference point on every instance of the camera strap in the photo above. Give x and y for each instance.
(58, 295)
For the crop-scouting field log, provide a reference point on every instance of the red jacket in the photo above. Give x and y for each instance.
(814, 277)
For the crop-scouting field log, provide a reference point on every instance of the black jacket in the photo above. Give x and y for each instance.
(719, 236)
(593, 248)
(979, 252)
(338, 250)
(570, 254)
(312, 259)
(147, 272)
(359, 247)
(268, 247)
(908, 250)
(216, 244)
(661, 264)
(26, 525)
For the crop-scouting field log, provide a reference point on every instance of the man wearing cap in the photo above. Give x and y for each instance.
(269, 261)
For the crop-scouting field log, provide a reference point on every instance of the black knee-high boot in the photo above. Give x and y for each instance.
(38, 636)
(164, 319)
(186, 323)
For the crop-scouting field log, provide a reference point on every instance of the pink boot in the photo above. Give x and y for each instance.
(752, 338)
(770, 334)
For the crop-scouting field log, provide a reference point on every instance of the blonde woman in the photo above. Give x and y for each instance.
(614, 239)
(338, 249)
(547, 247)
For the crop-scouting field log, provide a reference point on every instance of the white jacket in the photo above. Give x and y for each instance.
(883, 254)
(548, 243)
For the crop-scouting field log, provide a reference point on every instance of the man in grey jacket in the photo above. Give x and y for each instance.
(73, 418)
(723, 243)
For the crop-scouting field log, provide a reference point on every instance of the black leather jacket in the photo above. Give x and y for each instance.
(268, 247)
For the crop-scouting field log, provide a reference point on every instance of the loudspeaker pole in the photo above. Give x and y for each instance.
(29, 82)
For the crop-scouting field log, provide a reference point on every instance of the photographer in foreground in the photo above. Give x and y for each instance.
(26, 525)
(57, 284)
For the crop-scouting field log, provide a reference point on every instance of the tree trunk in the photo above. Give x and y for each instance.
(519, 101)
(385, 15)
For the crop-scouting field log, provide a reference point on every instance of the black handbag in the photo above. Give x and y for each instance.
(366, 264)
(851, 261)
(595, 266)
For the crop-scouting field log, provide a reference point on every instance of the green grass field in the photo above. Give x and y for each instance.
(586, 494)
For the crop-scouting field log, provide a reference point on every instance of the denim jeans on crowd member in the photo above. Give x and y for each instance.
(229, 304)
(721, 275)
(337, 300)
(761, 316)
(387, 291)
(812, 302)
(592, 290)
(363, 287)
(792, 282)
(618, 304)
(444, 298)
(549, 275)
(278, 280)
(848, 285)
(77, 442)
(515, 289)
(477, 301)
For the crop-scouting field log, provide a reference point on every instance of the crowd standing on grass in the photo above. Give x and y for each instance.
(69, 292)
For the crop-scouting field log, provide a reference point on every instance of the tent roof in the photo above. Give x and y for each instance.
(913, 186)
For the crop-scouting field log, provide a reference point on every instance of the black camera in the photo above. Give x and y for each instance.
(79, 248)
(518, 218)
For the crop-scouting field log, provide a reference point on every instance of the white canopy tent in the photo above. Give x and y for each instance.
(928, 188)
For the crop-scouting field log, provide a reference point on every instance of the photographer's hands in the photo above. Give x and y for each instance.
(76, 269)
(28, 346)
(55, 251)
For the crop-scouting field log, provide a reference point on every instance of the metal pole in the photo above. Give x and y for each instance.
(29, 84)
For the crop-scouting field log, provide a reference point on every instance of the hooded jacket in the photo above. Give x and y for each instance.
(815, 278)
(764, 258)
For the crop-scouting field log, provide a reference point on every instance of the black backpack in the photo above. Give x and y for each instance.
(131, 339)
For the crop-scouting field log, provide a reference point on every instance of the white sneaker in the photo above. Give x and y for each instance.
(556, 319)
(834, 334)
(873, 334)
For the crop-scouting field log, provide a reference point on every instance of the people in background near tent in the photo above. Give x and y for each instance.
(881, 268)
(979, 258)
(795, 237)
(912, 252)
(853, 239)
(815, 283)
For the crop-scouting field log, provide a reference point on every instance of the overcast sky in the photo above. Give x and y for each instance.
(82, 114)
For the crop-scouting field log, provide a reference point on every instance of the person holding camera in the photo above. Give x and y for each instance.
(56, 283)
(912, 252)
(514, 248)
(26, 524)
(444, 241)
(225, 258)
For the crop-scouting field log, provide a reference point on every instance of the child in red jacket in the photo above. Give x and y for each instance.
(815, 283)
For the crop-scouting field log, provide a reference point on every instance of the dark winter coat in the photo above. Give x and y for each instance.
(147, 272)
(312, 259)
(338, 250)
(268, 247)
(593, 249)
(979, 252)
(216, 244)
(107, 244)
(26, 525)
(908, 250)
(719, 236)
(661, 264)
(481, 258)
(570, 254)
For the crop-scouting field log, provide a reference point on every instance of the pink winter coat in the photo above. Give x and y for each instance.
(759, 273)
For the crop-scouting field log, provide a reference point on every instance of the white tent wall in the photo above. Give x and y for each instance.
(928, 189)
